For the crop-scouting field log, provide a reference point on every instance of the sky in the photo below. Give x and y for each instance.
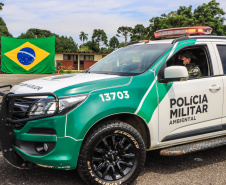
(70, 17)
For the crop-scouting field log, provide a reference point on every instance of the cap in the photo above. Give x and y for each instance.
(188, 54)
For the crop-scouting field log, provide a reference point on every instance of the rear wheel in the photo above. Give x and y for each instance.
(114, 152)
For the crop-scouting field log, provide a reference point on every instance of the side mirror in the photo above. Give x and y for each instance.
(175, 73)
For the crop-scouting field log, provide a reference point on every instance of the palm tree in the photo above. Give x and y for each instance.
(83, 36)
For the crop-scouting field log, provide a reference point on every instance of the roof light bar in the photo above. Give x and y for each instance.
(183, 31)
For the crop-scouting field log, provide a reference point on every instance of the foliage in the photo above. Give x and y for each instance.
(61, 71)
(3, 30)
(124, 31)
(212, 15)
(83, 36)
(63, 43)
(209, 14)
(114, 42)
(90, 46)
(106, 50)
(121, 44)
(67, 71)
(1, 5)
(58, 64)
(85, 48)
(100, 37)
(139, 32)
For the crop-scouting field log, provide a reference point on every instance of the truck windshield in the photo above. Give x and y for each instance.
(130, 60)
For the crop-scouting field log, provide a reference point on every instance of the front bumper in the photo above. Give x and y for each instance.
(64, 156)
(66, 149)
(19, 145)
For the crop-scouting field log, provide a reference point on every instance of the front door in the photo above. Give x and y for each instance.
(192, 108)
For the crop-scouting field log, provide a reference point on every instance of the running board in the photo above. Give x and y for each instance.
(193, 147)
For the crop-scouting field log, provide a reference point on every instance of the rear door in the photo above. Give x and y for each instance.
(220, 51)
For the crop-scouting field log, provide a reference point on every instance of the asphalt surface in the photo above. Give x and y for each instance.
(14, 79)
(205, 167)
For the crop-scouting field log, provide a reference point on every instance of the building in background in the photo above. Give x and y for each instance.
(78, 61)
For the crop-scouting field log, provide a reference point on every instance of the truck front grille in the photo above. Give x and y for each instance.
(15, 108)
(22, 106)
(21, 109)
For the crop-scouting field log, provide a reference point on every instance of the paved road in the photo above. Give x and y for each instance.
(205, 167)
(15, 78)
(200, 168)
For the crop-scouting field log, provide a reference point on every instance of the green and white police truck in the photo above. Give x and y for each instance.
(103, 120)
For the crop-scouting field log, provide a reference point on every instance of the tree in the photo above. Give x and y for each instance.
(205, 15)
(113, 43)
(100, 37)
(90, 46)
(179, 18)
(4, 30)
(124, 31)
(33, 33)
(139, 32)
(83, 36)
(212, 15)
(62, 43)
(1, 5)
(106, 50)
(121, 44)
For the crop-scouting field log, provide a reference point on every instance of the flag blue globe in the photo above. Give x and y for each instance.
(26, 56)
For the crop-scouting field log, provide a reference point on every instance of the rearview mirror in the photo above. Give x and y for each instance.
(175, 73)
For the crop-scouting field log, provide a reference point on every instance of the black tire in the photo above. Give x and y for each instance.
(112, 153)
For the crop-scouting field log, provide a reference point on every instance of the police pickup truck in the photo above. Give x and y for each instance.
(103, 120)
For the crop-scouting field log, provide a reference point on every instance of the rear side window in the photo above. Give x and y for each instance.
(222, 52)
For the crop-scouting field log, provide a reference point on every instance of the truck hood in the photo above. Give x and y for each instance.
(60, 82)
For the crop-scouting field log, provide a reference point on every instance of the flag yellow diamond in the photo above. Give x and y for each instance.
(38, 56)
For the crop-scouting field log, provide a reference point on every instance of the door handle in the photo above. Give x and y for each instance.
(214, 88)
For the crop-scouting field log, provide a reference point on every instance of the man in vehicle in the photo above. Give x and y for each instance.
(193, 69)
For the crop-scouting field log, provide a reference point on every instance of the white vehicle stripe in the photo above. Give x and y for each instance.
(172, 51)
(24, 52)
(142, 101)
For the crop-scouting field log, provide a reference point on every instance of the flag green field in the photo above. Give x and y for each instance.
(27, 56)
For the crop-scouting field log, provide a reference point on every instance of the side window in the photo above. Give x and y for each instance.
(195, 59)
(222, 52)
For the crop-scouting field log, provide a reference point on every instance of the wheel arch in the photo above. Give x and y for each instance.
(133, 120)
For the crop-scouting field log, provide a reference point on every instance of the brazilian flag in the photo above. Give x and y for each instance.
(27, 56)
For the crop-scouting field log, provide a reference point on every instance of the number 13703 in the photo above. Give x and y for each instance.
(114, 95)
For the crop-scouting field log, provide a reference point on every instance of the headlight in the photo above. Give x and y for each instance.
(48, 105)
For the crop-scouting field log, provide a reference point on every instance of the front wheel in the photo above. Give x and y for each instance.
(113, 153)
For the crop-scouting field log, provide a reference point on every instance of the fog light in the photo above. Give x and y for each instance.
(42, 148)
